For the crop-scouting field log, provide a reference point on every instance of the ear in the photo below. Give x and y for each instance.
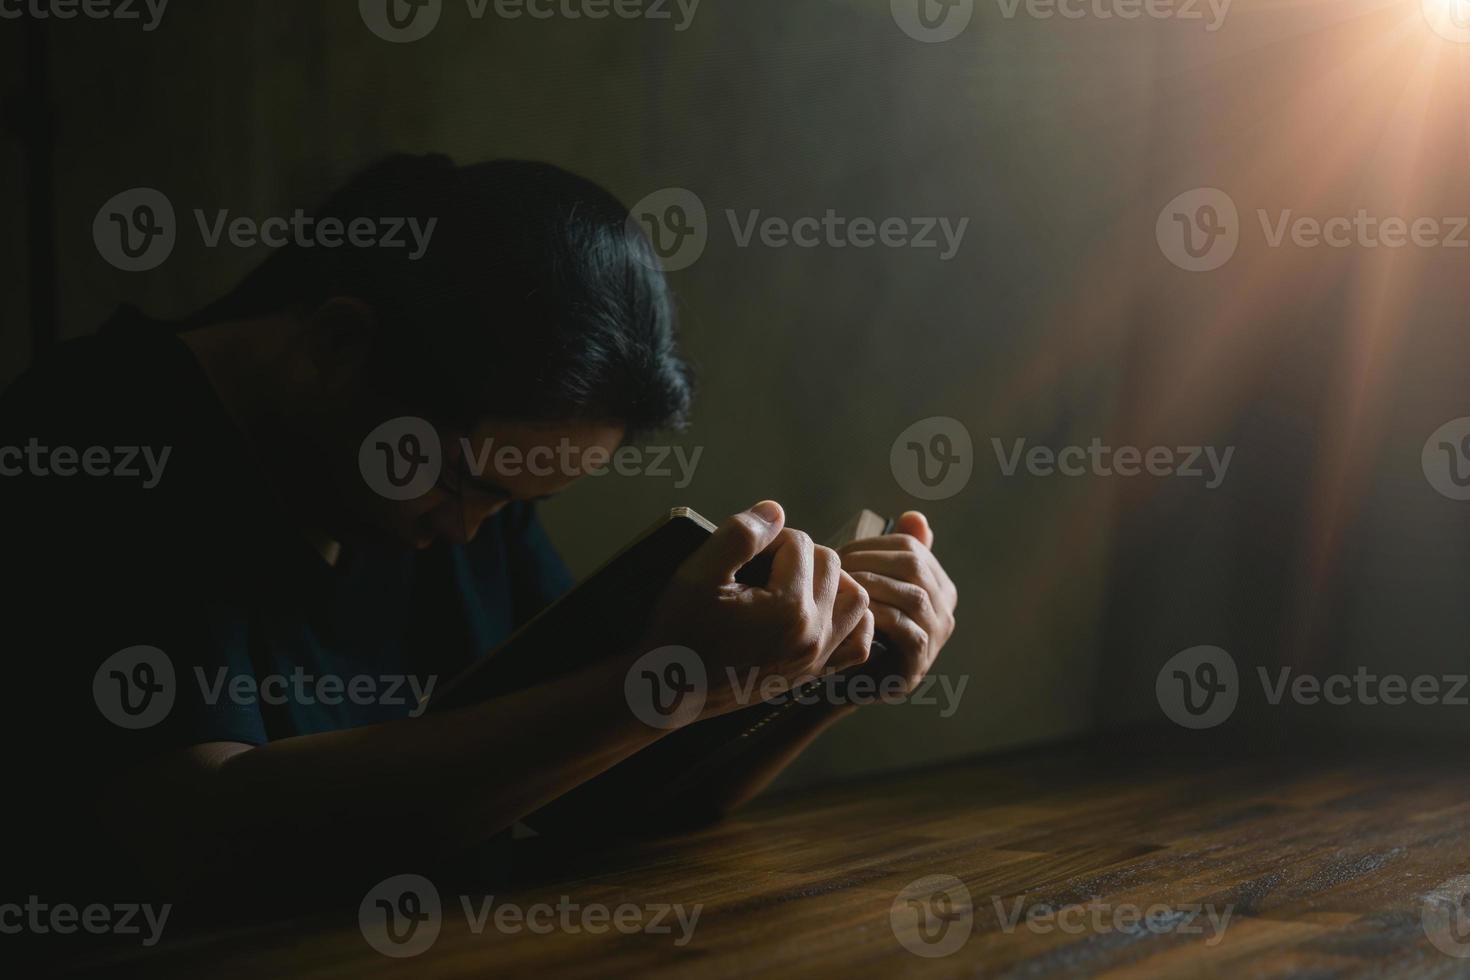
(339, 340)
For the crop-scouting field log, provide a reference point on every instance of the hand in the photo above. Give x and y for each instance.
(810, 618)
(913, 599)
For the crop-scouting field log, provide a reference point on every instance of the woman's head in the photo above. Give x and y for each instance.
(535, 305)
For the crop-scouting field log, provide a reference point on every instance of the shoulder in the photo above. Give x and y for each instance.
(133, 371)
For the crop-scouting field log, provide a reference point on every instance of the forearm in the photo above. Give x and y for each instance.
(427, 785)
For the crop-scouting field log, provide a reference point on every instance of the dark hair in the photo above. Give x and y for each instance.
(534, 299)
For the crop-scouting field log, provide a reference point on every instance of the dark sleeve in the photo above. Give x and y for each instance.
(129, 653)
(537, 573)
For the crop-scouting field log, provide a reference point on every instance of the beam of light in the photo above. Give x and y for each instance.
(1379, 118)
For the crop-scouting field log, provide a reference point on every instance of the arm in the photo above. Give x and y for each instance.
(424, 787)
(416, 788)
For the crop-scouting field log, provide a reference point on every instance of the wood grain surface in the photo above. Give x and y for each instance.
(1120, 858)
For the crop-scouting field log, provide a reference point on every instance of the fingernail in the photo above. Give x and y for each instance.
(768, 511)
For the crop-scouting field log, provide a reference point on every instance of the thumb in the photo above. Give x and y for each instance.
(915, 525)
(739, 539)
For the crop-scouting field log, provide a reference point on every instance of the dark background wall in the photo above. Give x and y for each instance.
(1059, 320)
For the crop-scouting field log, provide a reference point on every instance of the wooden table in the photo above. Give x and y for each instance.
(1325, 866)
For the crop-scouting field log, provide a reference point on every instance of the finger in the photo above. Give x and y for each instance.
(826, 569)
(912, 600)
(915, 525)
(905, 542)
(907, 638)
(846, 583)
(856, 647)
(792, 563)
(914, 567)
(847, 612)
(736, 542)
(885, 542)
